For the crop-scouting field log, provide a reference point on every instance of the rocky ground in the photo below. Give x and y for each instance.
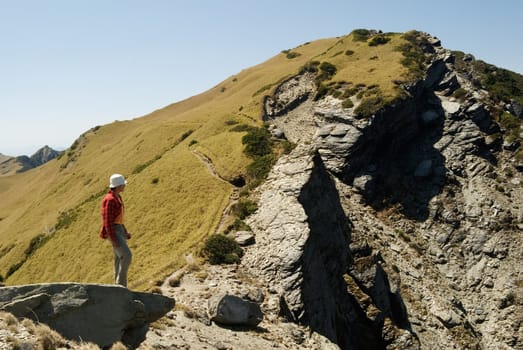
(188, 325)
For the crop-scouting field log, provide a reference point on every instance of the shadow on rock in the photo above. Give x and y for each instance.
(328, 308)
(101, 314)
(407, 174)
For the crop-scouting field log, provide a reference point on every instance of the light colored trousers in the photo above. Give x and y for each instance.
(122, 256)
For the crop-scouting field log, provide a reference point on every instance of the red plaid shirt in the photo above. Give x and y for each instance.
(112, 206)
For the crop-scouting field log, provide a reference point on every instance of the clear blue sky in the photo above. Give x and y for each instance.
(69, 65)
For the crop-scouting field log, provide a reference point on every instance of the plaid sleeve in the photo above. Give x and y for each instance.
(110, 211)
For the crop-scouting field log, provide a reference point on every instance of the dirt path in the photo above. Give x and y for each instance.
(233, 197)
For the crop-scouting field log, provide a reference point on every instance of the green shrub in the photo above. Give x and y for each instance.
(459, 93)
(257, 142)
(379, 40)
(360, 34)
(336, 93)
(65, 219)
(292, 55)
(231, 122)
(244, 208)
(347, 103)
(511, 124)
(413, 56)
(327, 70)
(322, 91)
(349, 52)
(140, 167)
(1, 278)
(502, 83)
(96, 196)
(287, 146)
(311, 66)
(193, 142)
(35, 243)
(242, 128)
(13, 268)
(369, 106)
(260, 167)
(74, 145)
(238, 225)
(350, 92)
(186, 134)
(155, 180)
(220, 249)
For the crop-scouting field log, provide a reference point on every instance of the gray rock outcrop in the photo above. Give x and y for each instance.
(43, 155)
(40, 157)
(234, 311)
(397, 231)
(102, 314)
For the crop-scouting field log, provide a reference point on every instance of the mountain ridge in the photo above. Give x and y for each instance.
(10, 165)
(407, 196)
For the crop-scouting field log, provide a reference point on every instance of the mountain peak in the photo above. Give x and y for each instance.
(10, 165)
(43, 155)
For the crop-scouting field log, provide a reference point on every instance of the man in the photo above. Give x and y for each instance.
(114, 229)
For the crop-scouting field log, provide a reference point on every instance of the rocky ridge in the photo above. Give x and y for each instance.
(414, 208)
(398, 231)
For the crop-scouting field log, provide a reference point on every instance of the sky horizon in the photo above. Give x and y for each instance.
(68, 66)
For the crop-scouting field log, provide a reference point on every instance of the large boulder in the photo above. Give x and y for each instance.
(102, 314)
(234, 311)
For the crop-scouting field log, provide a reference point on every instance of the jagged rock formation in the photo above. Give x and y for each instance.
(11, 165)
(398, 231)
(101, 314)
(42, 156)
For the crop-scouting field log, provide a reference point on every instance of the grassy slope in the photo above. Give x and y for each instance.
(8, 166)
(369, 65)
(171, 217)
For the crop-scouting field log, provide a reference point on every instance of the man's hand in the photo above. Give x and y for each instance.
(128, 234)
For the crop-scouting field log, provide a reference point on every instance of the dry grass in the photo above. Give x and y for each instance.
(42, 337)
(188, 311)
(162, 323)
(47, 338)
(118, 346)
(175, 281)
(201, 275)
(173, 214)
(26, 334)
(8, 319)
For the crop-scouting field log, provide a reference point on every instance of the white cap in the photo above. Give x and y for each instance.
(116, 180)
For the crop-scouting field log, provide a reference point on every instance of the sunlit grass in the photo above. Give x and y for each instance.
(173, 202)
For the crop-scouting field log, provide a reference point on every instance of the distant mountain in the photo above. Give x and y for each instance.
(3, 158)
(11, 165)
